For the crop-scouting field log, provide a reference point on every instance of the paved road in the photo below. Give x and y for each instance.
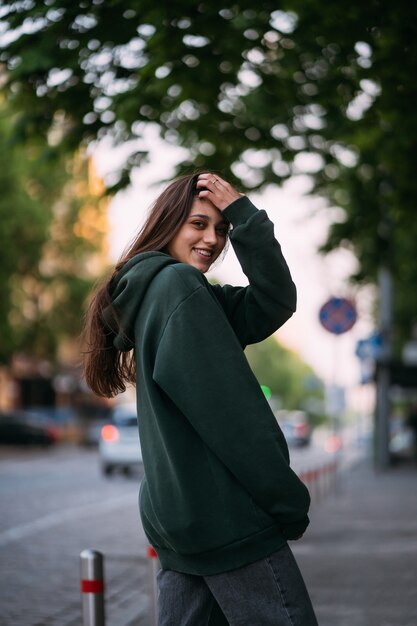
(359, 557)
(55, 504)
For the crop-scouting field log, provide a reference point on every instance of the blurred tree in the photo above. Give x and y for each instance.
(261, 92)
(52, 243)
(24, 226)
(292, 382)
(48, 302)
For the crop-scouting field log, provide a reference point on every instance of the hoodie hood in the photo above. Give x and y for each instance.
(127, 289)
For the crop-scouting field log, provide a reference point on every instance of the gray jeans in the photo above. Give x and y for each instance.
(270, 592)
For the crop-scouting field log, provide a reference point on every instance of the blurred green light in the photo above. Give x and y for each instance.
(267, 392)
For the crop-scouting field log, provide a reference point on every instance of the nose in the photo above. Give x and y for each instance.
(210, 236)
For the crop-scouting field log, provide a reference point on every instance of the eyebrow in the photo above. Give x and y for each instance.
(206, 217)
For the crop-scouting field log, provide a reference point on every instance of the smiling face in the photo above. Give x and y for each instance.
(201, 238)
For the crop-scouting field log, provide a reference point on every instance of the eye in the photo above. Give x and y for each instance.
(222, 231)
(198, 224)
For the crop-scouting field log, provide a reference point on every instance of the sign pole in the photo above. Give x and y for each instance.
(337, 316)
(382, 454)
(336, 412)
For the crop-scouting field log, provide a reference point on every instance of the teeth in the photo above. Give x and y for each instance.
(203, 252)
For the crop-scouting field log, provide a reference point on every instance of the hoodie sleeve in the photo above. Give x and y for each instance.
(258, 310)
(213, 386)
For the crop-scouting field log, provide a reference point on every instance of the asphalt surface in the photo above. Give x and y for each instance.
(55, 504)
(359, 556)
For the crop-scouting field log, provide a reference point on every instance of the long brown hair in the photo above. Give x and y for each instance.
(107, 370)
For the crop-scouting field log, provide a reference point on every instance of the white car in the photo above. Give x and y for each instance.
(296, 427)
(119, 446)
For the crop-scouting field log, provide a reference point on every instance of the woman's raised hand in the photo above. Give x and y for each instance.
(218, 191)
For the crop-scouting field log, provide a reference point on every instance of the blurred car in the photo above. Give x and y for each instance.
(119, 446)
(91, 434)
(89, 421)
(295, 426)
(27, 428)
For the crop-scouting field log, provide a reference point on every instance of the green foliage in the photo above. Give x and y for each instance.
(292, 382)
(257, 91)
(44, 260)
(24, 230)
(49, 303)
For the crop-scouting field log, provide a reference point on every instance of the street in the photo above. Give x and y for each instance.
(55, 503)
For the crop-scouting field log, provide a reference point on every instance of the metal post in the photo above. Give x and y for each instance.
(154, 562)
(92, 588)
(382, 455)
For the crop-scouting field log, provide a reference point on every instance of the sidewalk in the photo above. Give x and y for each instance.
(359, 556)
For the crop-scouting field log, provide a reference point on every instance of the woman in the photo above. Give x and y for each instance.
(219, 500)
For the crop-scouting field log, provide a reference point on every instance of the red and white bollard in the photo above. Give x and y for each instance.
(92, 588)
(154, 563)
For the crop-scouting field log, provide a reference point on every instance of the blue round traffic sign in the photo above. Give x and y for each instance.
(338, 315)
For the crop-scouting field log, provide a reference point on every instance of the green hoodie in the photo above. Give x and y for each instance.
(218, 491)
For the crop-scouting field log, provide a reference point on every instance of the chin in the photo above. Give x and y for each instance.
(201, 267)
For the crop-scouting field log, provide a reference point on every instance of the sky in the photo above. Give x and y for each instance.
(300, 223)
